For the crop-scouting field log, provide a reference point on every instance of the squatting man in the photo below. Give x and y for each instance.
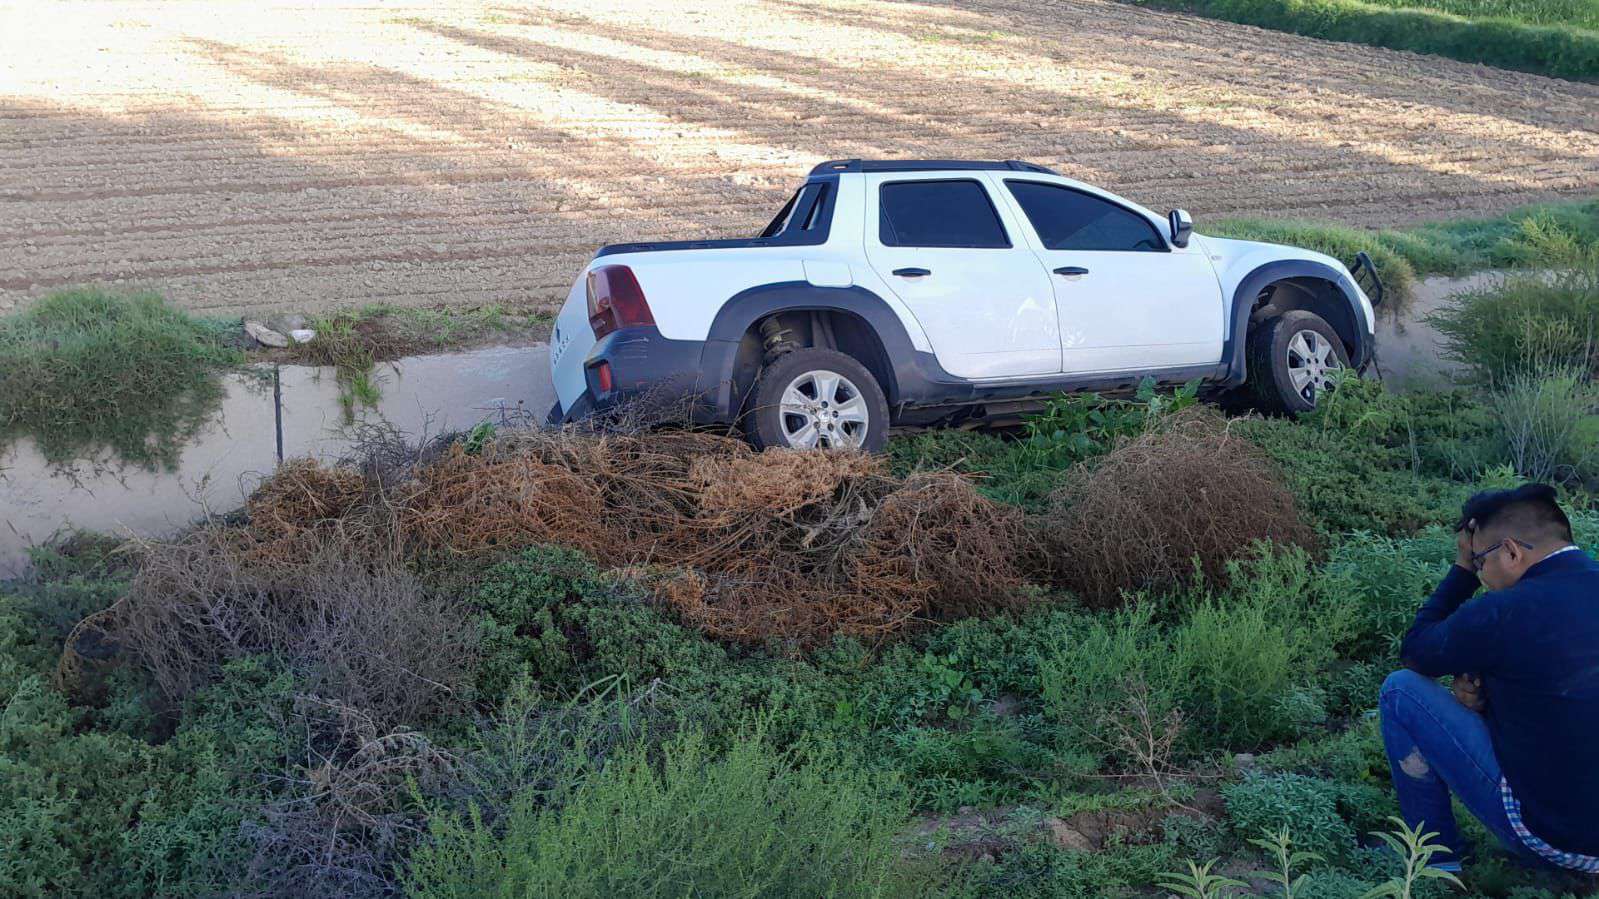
(1516, 739)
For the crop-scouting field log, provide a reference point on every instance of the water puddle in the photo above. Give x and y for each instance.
(1408, 349)
(239, 447)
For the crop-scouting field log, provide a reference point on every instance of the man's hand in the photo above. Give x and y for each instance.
(1463, 551)
(1468, 691)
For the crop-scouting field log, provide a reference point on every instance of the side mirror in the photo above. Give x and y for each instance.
(1182, 226)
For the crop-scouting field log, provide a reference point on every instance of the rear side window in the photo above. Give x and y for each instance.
(805, 217)
(938, 214)
(1067, 219)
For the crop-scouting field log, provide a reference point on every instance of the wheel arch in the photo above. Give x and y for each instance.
(1295, 284)
(852, 320)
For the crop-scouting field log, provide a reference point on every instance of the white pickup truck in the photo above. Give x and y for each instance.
(892, 293)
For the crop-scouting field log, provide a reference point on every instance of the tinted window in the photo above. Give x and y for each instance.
(780, 222)
(938, 214)
(1066, 219)
(807, 211)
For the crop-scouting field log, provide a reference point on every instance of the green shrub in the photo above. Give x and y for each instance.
(1559, 50)
(86, 370)
(1354, 756)
(1042, 871)
(1516, 239)
(1385, 580)
(1307, 806)
(96, 813)
(752, 821)
(1346, 481)
(987, 760)
(1549, 425)
(1524, 324)
(551, 616)
(1235, 667)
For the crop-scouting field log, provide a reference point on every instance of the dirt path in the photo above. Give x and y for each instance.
(240, 156)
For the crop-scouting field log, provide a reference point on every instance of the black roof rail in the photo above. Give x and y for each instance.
(836, 166)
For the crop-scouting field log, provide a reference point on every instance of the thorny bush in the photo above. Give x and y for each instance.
(348, 617)
(1186, 497)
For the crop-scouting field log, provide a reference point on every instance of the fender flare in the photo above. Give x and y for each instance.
(1249, 288)
(752, 304)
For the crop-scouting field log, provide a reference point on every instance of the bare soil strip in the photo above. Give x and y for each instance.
(279, 156)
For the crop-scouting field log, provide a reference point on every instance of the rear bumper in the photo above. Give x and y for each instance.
(645, 368)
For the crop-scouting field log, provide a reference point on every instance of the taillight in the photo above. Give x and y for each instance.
(616, 300)
(602, 374)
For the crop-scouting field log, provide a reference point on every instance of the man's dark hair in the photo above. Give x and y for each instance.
(1530, 512)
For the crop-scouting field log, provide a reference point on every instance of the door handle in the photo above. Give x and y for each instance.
(1071, 271)
(912, 272)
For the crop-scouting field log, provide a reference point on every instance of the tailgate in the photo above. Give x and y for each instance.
(570, 344)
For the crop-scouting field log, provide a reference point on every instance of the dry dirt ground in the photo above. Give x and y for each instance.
(301, 156)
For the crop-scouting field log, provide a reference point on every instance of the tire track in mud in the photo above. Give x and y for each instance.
(305, 156)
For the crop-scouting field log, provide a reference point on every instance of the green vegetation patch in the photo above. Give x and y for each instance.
(85, 370)
(1526, 36)
(354, 341)
(1517, 239)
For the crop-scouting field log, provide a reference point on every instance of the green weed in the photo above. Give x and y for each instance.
(86, 371)
(750, 821)
(1307, 807)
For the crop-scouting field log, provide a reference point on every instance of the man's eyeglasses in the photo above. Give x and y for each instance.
(1478, 558)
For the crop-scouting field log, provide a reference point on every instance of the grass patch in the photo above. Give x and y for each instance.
(85, 370)
(353, 341)
(1535, 36)
(1452, 248)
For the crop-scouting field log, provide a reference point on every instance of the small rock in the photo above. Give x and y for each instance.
(264, 335)
(303, 335)
(1244, 759)
(1068, 837)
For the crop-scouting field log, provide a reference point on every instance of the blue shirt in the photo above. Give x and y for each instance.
(1536, 647)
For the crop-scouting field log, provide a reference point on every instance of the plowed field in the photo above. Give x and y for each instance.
(261, 155)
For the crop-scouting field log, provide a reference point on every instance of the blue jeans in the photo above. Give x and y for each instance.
(1436, 747)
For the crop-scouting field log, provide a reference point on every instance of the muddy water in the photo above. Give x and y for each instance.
(1408, 348)
(420, 395)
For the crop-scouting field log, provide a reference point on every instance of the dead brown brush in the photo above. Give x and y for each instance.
(341, 611)
(1187, 490)
(343, 812)
(788, 546)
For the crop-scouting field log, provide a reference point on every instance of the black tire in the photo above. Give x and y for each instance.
(1280, 378)
(767, 423)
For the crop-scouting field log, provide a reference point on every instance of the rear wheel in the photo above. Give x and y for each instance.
(1292, 359)
(814, 398)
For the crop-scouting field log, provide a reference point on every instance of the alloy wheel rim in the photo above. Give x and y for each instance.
(1311, 362)
(823, 409)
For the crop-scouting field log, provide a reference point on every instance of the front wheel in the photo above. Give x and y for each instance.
(1292, 359)
(814, 398)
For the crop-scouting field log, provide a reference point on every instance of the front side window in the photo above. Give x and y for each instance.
(1067, 219)
(954, 213)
